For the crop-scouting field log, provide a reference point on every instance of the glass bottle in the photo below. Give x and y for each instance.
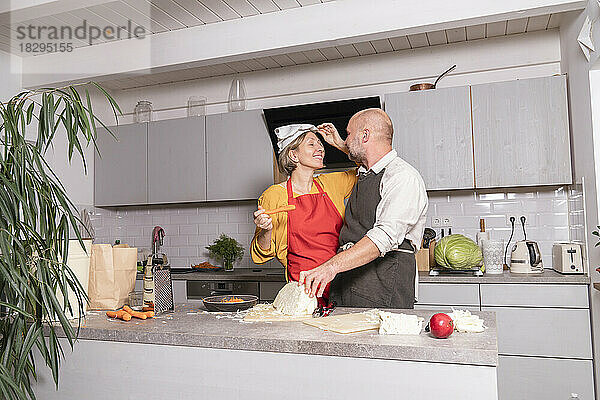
(142, 111)
(237, 95)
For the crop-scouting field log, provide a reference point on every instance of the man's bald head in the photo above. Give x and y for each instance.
(376, 121)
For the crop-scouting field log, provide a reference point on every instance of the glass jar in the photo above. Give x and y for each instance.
(136, 300)
(237, 95)
(196, 106)
(142, 112)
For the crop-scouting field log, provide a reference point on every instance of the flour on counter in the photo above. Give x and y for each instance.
(293, 300)
(399, 324)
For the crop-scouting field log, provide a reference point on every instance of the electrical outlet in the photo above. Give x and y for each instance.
(436, 222)
(508, 220)
(447, 221)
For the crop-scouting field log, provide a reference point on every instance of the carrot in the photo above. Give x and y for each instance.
(280, 209)
(136, 314)
(149, 314)
(121, 314)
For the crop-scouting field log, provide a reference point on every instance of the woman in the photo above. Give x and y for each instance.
(306, 237)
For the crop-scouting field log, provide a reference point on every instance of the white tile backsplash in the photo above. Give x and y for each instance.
(546, 210)
(553, 214)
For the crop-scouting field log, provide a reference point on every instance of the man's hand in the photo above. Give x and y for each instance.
(316, 279)
(332, 136)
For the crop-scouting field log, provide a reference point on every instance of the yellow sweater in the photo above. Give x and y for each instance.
(338, 185)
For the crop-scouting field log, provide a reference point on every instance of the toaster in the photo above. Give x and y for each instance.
(567, 258)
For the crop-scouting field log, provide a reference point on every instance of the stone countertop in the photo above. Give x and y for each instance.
(548, 276)
(190, 325)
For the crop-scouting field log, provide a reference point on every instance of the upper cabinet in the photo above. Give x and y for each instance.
(521, 133)
(120, 168)
(176, 161)
(239, 156)
(432, 132)
(219, 157)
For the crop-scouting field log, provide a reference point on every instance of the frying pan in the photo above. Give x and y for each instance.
(215, 303)
(427, 86)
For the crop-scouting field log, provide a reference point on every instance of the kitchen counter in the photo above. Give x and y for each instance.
(548, 276)
(195, 354)
(191, 326)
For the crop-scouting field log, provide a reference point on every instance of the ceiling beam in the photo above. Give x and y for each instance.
(329, 24)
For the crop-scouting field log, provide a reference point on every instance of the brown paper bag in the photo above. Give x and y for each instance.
(112, 276)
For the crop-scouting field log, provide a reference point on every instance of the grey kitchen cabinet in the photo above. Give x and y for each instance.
(239, 156)
(448, 294)
(432, 132)
(544, 332)
(176, 161)
(120, 168)
(524, 378)
(521, 133)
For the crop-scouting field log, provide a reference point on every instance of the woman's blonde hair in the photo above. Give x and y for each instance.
(284, 162)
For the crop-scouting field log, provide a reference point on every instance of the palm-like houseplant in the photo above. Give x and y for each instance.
(36, 217)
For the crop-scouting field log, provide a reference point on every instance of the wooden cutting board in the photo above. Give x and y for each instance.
(347, 323)
(266, 313)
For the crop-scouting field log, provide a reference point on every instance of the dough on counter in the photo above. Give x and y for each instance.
(292, 300)
(399, 324)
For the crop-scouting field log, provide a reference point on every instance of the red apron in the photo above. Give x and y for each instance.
(313, 233)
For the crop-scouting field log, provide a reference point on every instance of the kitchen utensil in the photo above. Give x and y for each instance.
(427, 86)
(482, 234)
(323, 311)
(526, 258)
(281, 209)
(224, 303)
(492, 255)
(428, 235)
(567, 258)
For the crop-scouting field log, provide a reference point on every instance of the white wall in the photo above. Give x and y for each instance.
(10, 68)
(577, 68)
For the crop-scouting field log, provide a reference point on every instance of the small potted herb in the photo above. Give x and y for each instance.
(226, 250)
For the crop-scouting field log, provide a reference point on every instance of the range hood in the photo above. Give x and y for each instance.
(336, 112)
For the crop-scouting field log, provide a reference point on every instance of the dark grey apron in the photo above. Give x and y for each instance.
(386, 282)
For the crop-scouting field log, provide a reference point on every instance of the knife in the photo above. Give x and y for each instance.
(323, 311)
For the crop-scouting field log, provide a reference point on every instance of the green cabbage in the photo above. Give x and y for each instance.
(458, 252)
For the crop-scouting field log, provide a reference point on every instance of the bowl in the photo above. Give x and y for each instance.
(220, 303)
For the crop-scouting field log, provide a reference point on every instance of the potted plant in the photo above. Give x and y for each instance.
(226, 250)
(37, 218)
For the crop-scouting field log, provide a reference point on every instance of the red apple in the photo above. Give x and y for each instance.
(441, 325)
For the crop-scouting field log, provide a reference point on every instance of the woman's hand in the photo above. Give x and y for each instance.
(262, 220)
(332, 136)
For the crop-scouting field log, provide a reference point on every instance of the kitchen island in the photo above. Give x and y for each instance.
(195, 354)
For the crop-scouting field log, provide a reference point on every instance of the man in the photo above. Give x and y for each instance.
(384, 222)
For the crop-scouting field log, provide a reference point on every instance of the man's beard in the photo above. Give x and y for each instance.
(356, 153)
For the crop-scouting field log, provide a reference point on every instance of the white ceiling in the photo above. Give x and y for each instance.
(157, 16)
(475, 32)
